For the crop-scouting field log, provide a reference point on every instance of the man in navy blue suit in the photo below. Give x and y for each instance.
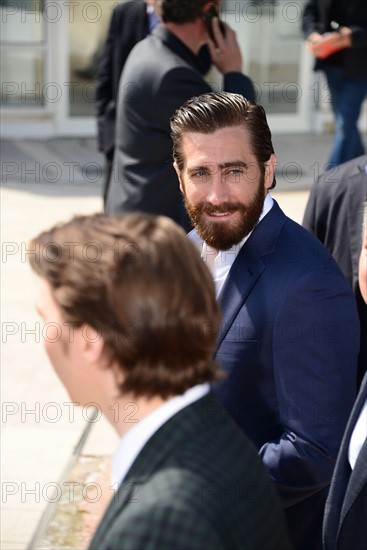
(290, 333)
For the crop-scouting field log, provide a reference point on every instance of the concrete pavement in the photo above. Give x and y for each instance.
(40, 427)
(42, 432)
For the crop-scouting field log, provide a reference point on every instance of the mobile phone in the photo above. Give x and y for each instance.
(208, 16)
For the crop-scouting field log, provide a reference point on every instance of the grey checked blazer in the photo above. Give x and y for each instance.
(197, 484)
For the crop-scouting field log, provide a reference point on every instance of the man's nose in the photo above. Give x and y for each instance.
(218, 192)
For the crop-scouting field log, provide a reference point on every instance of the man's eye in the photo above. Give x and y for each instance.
(234, 174)
(200, 174)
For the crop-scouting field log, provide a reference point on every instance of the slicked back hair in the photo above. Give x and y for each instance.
(217, 110)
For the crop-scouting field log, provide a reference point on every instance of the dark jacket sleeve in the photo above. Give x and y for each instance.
(359, 36)
(104, 87)
(238, 83)
(316, 18)
(104, 84)
(317, 368)
(311, 19)
(127, 27)
(309, 221)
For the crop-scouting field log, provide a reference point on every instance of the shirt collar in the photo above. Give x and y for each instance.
(177, 46)
(153, 19)
(134, 440)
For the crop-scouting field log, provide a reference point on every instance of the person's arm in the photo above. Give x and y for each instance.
(322, 46)
(312, 28)
(321, 43)
(311, 19)
(104, 83)
(358, 36)
(326, 200)
(309, 216)
(227, 58)
(315, 349)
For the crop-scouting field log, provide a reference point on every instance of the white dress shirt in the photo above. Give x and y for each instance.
(358, 437)
(134, 440)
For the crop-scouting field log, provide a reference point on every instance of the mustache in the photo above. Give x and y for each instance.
(208, 208)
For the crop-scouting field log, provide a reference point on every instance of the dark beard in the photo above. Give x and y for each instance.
(222, 236)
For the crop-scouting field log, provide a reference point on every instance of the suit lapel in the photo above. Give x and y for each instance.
(177, 46)
(240, 281)
(358, 476)
(122, 497)
(248, 267)
(356, 483)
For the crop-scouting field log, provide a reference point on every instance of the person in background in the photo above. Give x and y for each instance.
(187, 477)
(130, 23)
(334, 213)
(161, 73)
(336, 34)
(345, 525)
(290, 332)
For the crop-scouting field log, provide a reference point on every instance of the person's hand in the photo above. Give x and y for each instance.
(311, 41)
(225, 52)
(322, 46)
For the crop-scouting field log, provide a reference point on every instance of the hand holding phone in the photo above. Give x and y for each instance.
(223, 46)
(208, 20)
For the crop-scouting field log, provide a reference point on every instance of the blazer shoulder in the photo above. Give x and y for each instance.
(340, 179)
(132, 8)
(184, 503)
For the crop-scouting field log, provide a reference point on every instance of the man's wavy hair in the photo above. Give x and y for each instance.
(140, 282)
(182, 11)
(216, 110)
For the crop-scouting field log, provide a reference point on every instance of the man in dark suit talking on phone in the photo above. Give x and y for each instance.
(162, 72)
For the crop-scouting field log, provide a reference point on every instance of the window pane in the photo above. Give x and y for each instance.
(270, 39)
(87, 35)
(22, 79)
(22, 21)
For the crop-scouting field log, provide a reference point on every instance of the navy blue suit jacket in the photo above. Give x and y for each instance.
(289, 344)
(345, 522)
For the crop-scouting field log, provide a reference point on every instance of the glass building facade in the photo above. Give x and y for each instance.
(50, 51)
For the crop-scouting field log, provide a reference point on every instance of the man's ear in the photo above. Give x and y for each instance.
(178, 175)
(270, 171)
(91, 344)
